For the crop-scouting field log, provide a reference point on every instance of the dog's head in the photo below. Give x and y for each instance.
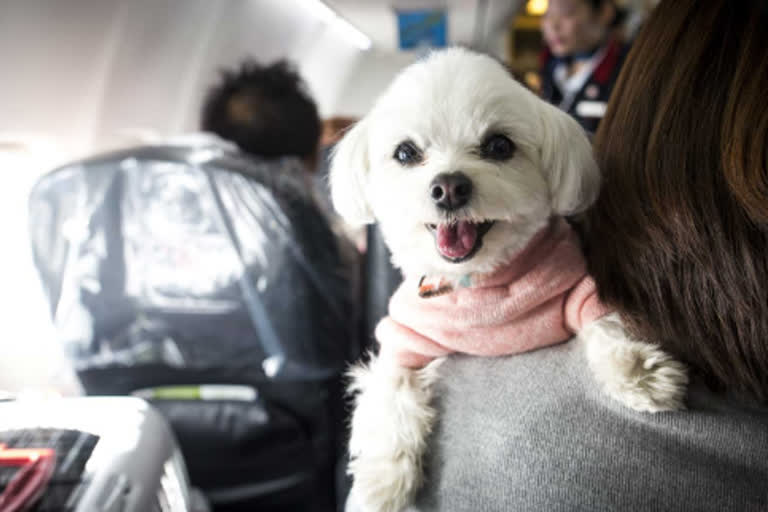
(460, 165)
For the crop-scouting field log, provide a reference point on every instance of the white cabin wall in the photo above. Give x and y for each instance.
(94, 74)
(369, 78)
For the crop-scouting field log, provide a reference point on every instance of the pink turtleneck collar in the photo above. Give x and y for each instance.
(542, 297)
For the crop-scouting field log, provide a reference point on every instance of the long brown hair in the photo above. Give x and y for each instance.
(678, 239)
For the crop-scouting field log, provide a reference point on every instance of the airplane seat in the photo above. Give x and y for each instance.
(381, 279)
(209, 283)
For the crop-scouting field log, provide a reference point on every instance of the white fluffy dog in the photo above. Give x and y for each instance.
(516, 162)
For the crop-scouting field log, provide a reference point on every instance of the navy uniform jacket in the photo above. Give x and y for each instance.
(588, 105)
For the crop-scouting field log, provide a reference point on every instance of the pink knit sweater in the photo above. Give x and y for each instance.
(540, 298)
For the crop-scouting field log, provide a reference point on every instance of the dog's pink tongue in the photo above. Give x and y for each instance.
(456, 240)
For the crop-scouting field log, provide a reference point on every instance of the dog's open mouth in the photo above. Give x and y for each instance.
(459, 240)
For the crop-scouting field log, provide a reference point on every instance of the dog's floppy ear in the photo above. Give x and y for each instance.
(349, 169)
(567, 158)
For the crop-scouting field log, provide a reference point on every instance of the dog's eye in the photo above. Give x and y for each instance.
(498, 147)
(407, 153)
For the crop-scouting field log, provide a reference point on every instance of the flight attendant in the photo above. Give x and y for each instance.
(583, 57)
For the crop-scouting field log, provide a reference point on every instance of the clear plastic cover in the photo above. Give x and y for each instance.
(193, 257)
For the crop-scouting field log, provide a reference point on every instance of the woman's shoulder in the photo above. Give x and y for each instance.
(534, 432)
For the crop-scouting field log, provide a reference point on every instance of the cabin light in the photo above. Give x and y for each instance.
(350, 32)
(536, 7)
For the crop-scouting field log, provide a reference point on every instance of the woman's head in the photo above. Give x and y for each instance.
(678, 239)
(575, 26)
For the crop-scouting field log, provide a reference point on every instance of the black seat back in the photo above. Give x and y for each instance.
(171, 266)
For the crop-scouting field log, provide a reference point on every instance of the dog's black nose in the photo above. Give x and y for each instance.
(450, 191)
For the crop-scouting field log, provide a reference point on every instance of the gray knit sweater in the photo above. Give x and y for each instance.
(533, 432)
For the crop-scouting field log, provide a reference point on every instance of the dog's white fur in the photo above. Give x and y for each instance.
(446, 104)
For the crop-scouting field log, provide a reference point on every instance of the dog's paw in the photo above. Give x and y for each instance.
(383, 484)
(391, 423)
(639, 375)
(645, 378)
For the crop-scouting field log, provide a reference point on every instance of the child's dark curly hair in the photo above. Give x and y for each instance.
(265, 110)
